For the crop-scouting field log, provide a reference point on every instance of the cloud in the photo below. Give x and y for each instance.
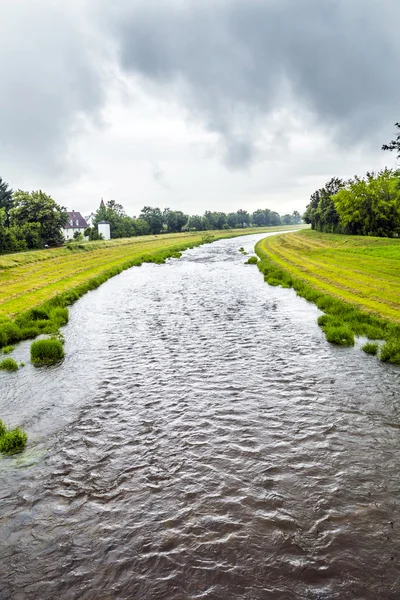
(233, 63)
(51, 79)
(159, 176)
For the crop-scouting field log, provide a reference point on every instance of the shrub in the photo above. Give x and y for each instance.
(390, 352)
(339, 335)
(253, 260)
(370, 348)
(8, 364)
(46, 352)
(13, 441)
(8, 349)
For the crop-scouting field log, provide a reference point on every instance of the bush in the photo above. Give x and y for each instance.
(46, 352)
(370, 348)
(253, 260)
(8, 364)
(340, 335)
(13, 441)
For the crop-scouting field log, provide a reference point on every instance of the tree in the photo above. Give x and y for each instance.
(6, 201)
(196, 222)
(243, 218)
(175, 220)
(296, 218)
(153, 217)
(231, 219)
(215, 220)
(39, 208)
(394, 144)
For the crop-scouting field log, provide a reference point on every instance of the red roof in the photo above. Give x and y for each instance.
(75, 221)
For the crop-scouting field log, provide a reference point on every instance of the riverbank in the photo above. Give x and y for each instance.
(354, 280)
(36, 287)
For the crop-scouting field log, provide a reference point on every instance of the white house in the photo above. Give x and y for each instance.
(75, 223)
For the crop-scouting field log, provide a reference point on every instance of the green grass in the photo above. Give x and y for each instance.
(46, 352)
(37, 287)
(12, 441)
(8, 364)
(354, 280)
(370, 348)
(253, 260)
(7, 349)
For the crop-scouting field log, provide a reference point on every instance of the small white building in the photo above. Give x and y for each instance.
(104, 228)
(75, 223)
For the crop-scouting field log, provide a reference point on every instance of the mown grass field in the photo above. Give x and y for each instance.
(362, 270)
(28, 279)
(355, 280)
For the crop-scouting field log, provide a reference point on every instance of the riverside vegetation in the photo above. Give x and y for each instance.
(354, 280)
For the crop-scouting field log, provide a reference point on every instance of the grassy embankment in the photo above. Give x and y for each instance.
(36, 287)
(354, 280)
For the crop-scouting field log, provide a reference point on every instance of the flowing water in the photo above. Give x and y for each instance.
(201, 440)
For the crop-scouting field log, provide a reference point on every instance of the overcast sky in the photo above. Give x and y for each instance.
(195, 104)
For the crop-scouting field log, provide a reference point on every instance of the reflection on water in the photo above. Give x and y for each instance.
(201, 440)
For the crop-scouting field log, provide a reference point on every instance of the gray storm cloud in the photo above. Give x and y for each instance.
(234, 62)
(230, 64)
(50, 79)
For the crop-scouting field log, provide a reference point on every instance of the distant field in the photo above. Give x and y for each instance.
(28, 279)
(364, 271)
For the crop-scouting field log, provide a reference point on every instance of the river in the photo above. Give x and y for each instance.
(201, 440)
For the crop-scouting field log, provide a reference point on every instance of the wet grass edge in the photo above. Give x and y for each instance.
(342, 320)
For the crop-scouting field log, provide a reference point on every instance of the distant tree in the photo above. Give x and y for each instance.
(6, 201)
(215, 220)
(37, 207)
(394, 144)
(140, 226)
(231, 219)
(175, 220)
(286, 219)
(296, 218)
(196, 223)
(154, 218)
(243, 218)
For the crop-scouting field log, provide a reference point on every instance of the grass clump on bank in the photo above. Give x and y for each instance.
(46, 352)
(370, 348)
(253, 260)
(342, 319)
(7, 349)
(12, 441)
(8, 364)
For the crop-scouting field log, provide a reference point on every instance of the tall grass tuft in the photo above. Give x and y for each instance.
(253, 260)
(340, 335)
(370, 348)
(46, 352)
(390, 352)
(8, 364)
(8, 349)
(13, 441)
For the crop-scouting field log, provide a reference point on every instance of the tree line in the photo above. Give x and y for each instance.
(30, 220)
(367, 205)
(154, 220)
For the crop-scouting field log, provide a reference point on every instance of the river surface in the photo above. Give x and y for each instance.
(201, 440)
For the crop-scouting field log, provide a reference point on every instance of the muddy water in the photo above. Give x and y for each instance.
(201, 441)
